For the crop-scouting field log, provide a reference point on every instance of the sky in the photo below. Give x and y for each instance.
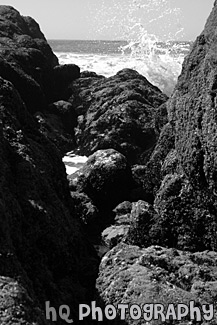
(116, 19)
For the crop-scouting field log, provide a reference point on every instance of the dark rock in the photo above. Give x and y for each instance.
(141, 220)
(117, 112)
(57, 122)
(123, 208)
(53, 128)
(26, 59)
(44, 252)
(40, 235)
(161, 116)
(73, 179)
(182, 169)
(133, 222)
(63, 76)
(90, 74)
(106, 179)
(148, 177)
(131, 275)
(86, 211)
(117, 232)
(66, 113)
(113, 235)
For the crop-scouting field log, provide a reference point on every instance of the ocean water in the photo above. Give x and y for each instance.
(148, 30)
(159, 62)
(73, 162)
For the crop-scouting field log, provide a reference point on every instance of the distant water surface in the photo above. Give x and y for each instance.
(159, 62)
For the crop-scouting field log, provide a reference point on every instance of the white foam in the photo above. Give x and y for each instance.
(161, 70)
(74, 159)
(71, 170)
(73, 162)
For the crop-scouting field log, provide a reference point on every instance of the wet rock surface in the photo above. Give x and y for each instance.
(117, 112)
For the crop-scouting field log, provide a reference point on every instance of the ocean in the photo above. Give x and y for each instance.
(159, 62)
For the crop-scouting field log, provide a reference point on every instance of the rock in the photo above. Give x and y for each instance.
(148, 177)
(55, 130)
(106, 179)
(63, 76)
(117, 112)
(73, 179)
(44, 252)
(161, 117)
(58, 122)
(39, 232)
(133, 222)
(181, 172)
(123, 208)
(131, 275)
(65, 112)
(122, 213)
(86, 211)
(26, 59)
(117, 232)
(141, 219)
(113, 235)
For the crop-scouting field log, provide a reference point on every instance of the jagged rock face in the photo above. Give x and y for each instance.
(149, 177)
(117, 112)
(192, 110)
(192, 113)
(44, 255)
(156, 275)
(181, 173)
(181, 176)
(26, 59)
(39, 234)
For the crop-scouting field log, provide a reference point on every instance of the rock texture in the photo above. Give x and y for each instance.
(26, 58)
(117, 112)
(44, 253)
(131, 275)
(179, 179)
(27, 61)
(186, 200)
(106, 178)
(150, 179)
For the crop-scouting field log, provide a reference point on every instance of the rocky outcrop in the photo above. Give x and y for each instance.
(57, 122)
(27, 61)
(63, 76)
(179, 179)
(186, 200)
(158, 171)
(106, 179)
(156, 275)
(117, 112)
(44, 252)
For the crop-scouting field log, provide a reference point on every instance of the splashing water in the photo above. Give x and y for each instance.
(151, 28)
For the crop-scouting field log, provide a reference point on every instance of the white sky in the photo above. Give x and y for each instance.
(109, 19)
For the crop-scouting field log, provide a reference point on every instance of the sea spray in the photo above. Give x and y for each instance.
(149, 30)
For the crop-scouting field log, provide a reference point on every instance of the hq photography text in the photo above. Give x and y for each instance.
(147, 312)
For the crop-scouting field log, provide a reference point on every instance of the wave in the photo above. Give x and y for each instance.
(161, 67)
